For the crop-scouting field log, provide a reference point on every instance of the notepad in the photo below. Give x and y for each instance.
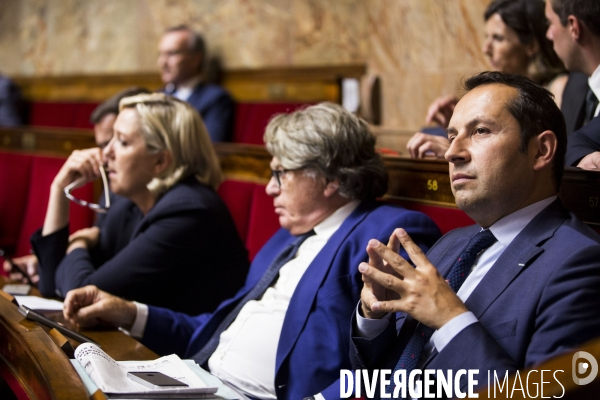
(39, 303)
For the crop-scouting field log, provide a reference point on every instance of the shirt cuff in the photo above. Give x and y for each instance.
(139, 324)
(319, 396)
(369, 328)
(446, 333)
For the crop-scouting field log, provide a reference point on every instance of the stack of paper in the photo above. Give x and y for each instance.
(110, 376)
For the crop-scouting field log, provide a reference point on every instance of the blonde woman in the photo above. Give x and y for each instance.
(184, 253)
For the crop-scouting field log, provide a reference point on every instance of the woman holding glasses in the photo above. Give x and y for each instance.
(184, 253)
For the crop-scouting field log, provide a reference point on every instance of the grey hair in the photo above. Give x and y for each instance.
(333, 142)
(169, 124)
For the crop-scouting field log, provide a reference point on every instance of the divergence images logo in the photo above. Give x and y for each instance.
(580, 367)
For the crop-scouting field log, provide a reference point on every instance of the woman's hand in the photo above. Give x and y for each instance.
(440, 111)
(81, 163)
(86, 238)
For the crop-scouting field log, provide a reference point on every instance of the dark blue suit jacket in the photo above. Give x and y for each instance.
(217, 109)
(573, 101)
(313, 345)
(583, 142)
(11, 103)
(538, 300)
(184, 254)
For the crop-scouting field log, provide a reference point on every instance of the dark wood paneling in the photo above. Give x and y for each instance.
(40, 366)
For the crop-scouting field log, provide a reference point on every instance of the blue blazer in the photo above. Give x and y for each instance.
(184, 254)
(313, 345)
(583, 142)
(217, 109)
(538, 300)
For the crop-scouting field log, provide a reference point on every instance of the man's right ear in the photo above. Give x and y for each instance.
(574, 27)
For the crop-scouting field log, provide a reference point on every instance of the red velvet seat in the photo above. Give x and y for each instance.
(251, 119)
(445, 218)
(61, 114)
(43, 171)
(237, 195)
(263, 220)
(252, 212)
(14, 181)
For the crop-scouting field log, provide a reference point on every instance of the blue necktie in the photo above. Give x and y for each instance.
(263, 284)
(456, 277)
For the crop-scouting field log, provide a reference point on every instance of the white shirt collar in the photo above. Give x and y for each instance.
(329, 225)
(184, 90)
(191, 83)
(507, 228)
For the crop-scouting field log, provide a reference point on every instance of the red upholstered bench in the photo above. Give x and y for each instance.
(252, 211)
(14, 181)
(445, 218)
(26, 180)
(61, 114)
(251, 119)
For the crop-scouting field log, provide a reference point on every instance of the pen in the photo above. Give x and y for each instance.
(15, 266)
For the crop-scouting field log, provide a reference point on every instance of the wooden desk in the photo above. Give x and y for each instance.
(40, 367)
(423, 181)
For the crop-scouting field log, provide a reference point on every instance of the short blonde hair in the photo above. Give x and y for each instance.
(173, 125)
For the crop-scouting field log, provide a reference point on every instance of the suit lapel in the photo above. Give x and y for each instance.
(306, 291)
(519, 255)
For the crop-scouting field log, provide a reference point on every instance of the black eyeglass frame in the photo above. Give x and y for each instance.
(276, 173)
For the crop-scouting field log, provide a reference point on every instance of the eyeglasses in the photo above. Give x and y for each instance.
(94, 207)
(277, 173)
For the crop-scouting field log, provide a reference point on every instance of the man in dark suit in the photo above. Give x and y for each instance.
(519, 287)
(284, 333)
(584, 147)
(181, 61)
(575, 32)
(11, 103)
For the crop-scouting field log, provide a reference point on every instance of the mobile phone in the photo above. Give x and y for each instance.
(154, 380)
(34, 316)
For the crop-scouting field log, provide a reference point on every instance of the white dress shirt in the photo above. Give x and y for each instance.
(184, 90)
(594, 82)
(245, 356)
(505, 230)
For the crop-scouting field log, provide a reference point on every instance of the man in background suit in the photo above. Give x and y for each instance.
(181, 61)
(519, 287)
(284, 334)
(575, 32)
(11, 103)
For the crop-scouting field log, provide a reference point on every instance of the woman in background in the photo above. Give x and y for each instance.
(515, 43)
(185, 253)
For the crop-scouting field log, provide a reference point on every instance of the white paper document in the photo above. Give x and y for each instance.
(39, 303)
(111, 376)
